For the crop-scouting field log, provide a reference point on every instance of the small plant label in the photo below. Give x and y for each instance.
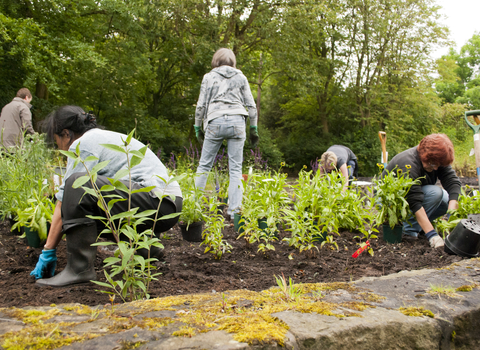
(360, 250)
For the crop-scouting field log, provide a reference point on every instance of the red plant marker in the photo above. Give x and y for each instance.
(361, 249)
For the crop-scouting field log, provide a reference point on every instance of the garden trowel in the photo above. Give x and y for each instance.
(383, 141)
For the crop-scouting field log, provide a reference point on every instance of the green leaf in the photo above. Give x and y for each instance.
(82, 180)
(90, 159)
(114, 148)
(122, 173)
(69, 154)
(129, 137)
(143, 189)
(99, 166)
(107, 188)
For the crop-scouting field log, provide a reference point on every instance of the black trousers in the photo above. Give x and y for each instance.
(77, 205)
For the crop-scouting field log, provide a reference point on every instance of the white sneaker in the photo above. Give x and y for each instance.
(436, 242)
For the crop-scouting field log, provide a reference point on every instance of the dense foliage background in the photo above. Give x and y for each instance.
(323, 71)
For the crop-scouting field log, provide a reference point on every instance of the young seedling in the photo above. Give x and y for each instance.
(289, 290)
(443, 290)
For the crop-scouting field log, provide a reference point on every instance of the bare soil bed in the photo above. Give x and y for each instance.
(186, 269)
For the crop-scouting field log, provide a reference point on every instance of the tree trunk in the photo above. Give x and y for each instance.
(41, 91)
(259, 87)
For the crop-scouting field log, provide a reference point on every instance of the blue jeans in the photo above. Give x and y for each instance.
(232, 129)
(435, 203)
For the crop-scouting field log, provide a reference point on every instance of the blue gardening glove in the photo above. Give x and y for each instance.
(253, 136)
(46, 264)
(199, 133)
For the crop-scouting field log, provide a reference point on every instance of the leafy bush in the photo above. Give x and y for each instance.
(391, 190)
(20, 173)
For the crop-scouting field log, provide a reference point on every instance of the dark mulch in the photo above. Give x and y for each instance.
(187, 269)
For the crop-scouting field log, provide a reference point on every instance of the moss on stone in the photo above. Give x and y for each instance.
(253, 324)
(465, 288)
(371, 297)
(31, 316)
(43, 336)
(416, 311)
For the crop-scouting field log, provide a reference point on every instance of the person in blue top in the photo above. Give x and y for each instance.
(69, 127)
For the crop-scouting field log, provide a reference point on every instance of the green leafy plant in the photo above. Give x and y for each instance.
(390, 201)
(38, 212)
(212, 234)
(319, 206)
(299, 220)
(368, 226)
(192, 210)
(468, 203)
(21, 169)
(290, 292)
(265, 199)
(135, 270)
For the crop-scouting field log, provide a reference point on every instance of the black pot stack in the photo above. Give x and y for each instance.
(464, 240)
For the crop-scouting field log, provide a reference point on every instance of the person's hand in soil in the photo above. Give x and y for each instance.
(46, 264)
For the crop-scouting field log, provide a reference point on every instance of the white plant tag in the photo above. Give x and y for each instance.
(472, 152)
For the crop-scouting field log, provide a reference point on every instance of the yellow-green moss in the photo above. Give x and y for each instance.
(370, 297)
(31, 316)
(465, 288)
(185, 331)
(416, 311)
(119, 324)
(202, 313)
(42, 336)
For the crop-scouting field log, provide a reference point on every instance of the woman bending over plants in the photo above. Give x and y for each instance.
(143, 176)
(427, 162)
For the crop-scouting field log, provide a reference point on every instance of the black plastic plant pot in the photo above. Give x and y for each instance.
(194, 232)
(392, 235)
(32, 237)
(464, 240)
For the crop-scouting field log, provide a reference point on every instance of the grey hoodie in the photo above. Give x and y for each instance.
(224, 91)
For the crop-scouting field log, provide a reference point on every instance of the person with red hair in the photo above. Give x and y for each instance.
(428, 162)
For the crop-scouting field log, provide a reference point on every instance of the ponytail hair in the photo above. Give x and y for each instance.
(71, 118)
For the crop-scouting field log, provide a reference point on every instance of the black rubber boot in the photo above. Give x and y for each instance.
(80, 258)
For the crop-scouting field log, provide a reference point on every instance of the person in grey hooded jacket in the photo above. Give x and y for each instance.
(224, 103)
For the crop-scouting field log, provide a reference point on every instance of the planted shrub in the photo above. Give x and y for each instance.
(213, 233)
(390, 201)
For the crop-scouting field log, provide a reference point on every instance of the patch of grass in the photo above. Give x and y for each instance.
(443, 290)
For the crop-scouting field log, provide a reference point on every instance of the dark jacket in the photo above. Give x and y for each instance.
(446, 175)
(15, 119)
(344, 155)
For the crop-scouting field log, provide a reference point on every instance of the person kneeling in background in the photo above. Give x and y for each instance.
(68, 127)
(427, 162)
(340, 158)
